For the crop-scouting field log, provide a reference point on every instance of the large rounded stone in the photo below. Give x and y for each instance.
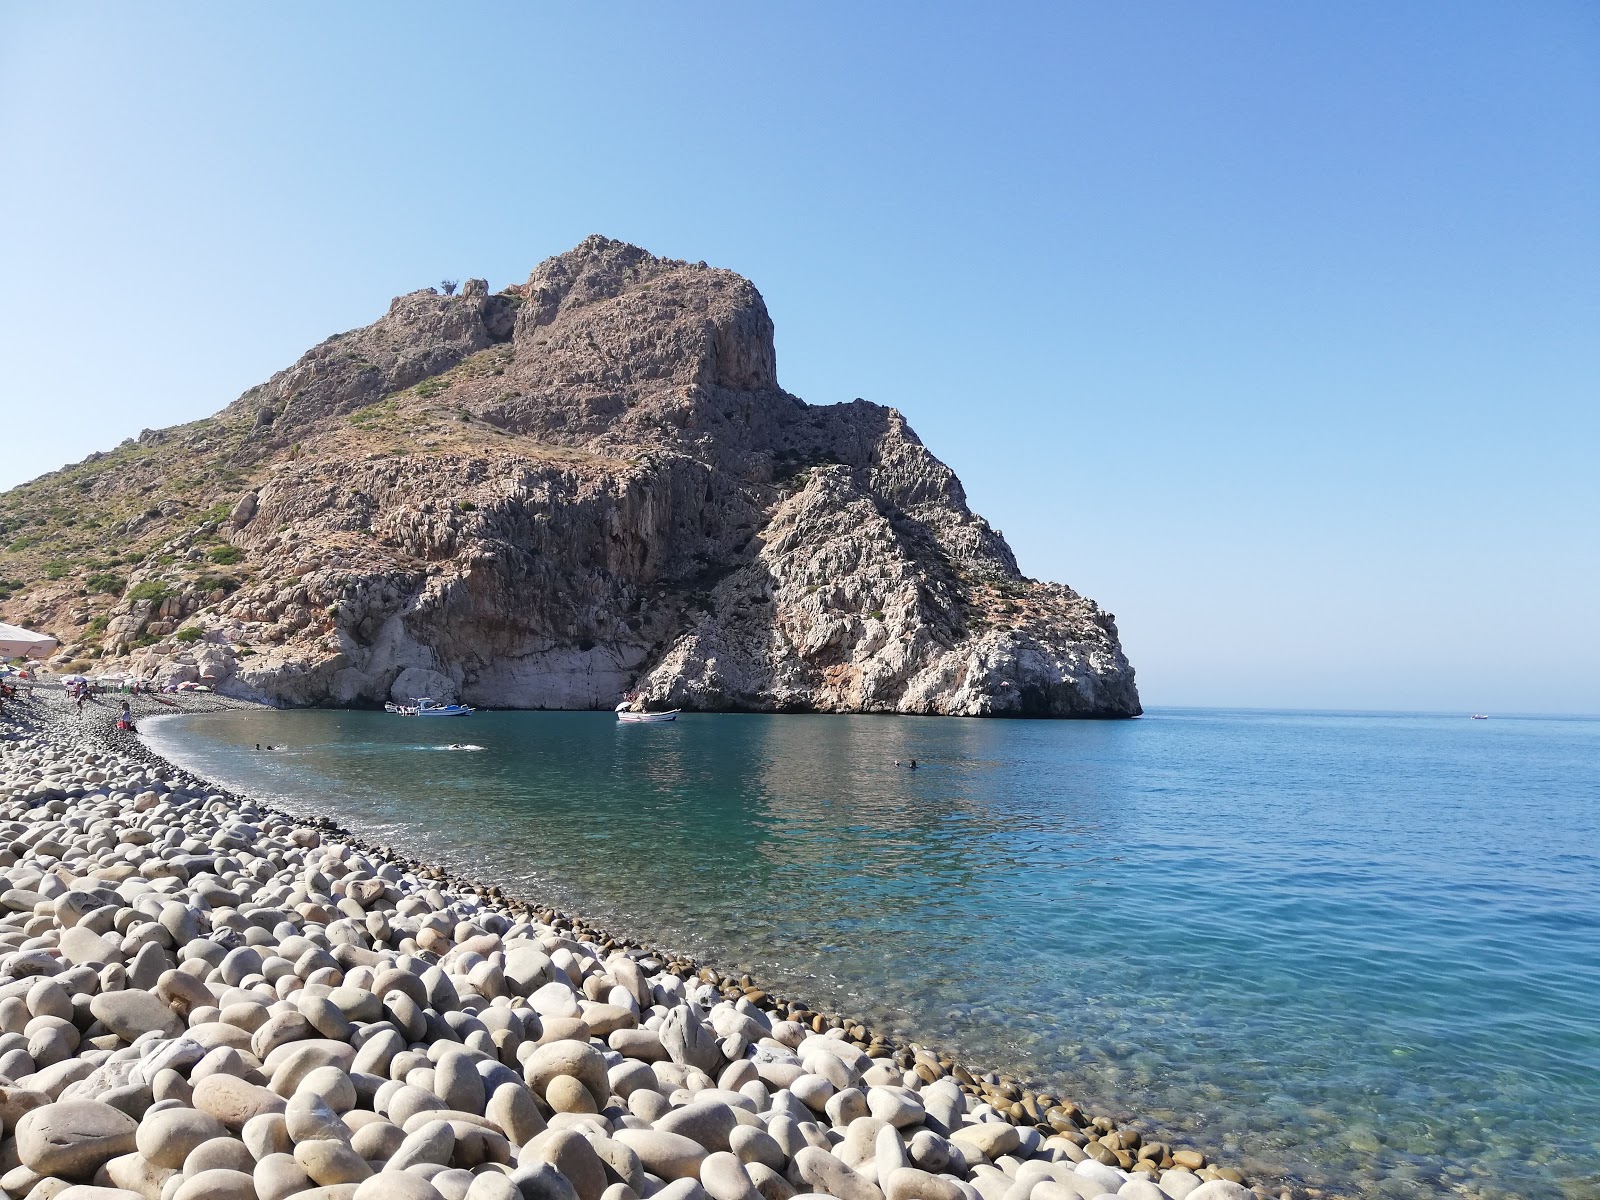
(130, 1014)
(217, 1185)
(989, 1138)
(1221, 1189)
(267, 1134)
(724, 1178)
(514, 1113)
(432, 1142)
(167, 1137)
(72, 1139)
(403, 1185)
(708, 1122)
(334, 1086)
(827, 1174)
(310, 1118)
(494, 1186)
(1141, 1189)
(899, 1106)
(136, 1173)
(328, 1161)
(219, 1154)
(377, 1140)
(278, 1176)
(769, 1183)
(456, 1081)
(538, 1180)
(569, 1057)
(528, 968)
(571, 1154)
(689, 1041)
(564, 1094)
(407, 1101)
(908, 1183)
(80, 946)
(755, 1145)
(233, 1101)
(1108, 1179)
(668, 1155)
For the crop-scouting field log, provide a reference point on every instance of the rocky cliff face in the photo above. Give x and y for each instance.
(546, 497)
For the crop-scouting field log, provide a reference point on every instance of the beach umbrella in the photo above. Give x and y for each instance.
(17, 642)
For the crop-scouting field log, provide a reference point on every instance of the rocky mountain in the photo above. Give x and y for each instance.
(545, 497)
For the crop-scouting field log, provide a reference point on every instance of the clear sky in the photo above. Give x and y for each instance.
(1274, 327)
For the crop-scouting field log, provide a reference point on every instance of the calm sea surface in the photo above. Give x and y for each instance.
(1360, 950)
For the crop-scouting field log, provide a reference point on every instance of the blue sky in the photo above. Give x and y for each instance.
(1276, 328)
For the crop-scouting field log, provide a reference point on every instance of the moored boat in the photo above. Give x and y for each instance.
(628, 716)
(424, 706)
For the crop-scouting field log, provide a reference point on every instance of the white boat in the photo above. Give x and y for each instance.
(628, 717)
(424, 706)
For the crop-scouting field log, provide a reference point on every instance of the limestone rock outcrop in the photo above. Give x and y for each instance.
(584, 485)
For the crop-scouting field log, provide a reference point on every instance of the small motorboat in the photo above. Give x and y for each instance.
(1480, 716)
(425, 706)
(629, 717)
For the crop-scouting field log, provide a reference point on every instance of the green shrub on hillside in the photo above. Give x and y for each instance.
(104, 581)
(209, 582)
(188, 633)
(226, 555)
(150, 589)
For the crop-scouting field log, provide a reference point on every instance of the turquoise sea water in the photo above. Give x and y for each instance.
(1362, 951)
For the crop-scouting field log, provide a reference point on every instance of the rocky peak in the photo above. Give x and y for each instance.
(581, 485)
(609, 314)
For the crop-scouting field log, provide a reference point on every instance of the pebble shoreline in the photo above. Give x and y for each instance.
(201, 997)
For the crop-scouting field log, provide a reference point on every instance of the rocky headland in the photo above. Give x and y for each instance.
(583, 485)
(202, 998)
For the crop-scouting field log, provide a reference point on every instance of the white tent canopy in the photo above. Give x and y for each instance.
(17, 642)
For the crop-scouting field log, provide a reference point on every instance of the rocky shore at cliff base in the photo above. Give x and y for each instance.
(202, 998)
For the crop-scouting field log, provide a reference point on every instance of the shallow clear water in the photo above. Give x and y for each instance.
(1359, 950)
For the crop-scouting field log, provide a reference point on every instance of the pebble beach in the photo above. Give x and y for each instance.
(201, 996)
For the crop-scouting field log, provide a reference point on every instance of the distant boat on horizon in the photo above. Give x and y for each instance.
(1480, 716)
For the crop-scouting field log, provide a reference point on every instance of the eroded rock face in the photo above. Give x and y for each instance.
(592, 483)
